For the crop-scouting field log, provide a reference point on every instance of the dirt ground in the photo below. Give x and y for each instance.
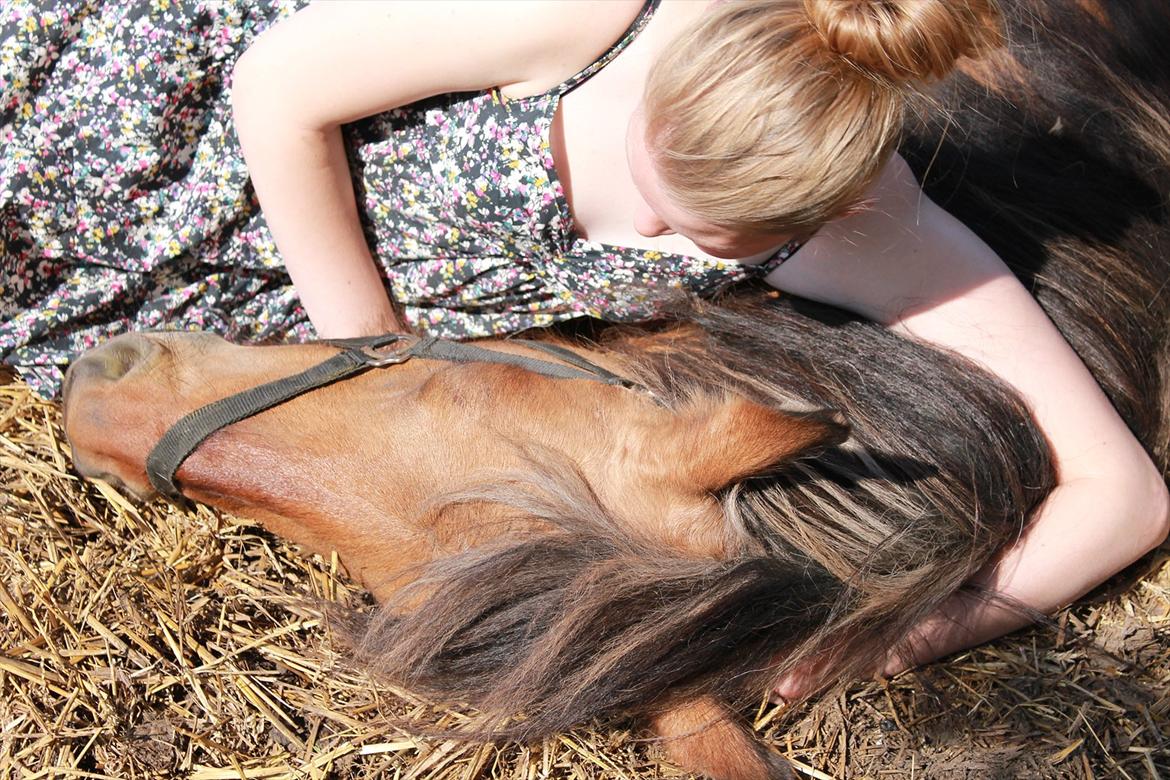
(147, 641)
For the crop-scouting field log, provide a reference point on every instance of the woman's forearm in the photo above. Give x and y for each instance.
(302, 180)
(908, 264)
(1085, 532)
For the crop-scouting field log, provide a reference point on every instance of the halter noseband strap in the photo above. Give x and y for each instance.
(357, 356)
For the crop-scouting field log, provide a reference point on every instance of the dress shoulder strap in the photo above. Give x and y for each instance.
(636, 26)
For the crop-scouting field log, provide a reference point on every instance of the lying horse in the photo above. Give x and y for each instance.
(663, 519)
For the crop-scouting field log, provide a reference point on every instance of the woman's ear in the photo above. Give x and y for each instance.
(715, 443)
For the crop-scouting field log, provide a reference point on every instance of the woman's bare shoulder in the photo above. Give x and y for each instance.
(341, 60)
(571, 35)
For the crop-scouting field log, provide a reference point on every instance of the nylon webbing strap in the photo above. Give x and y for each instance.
(358, 355)
(456, 352)
(189, 432)
(571, 357)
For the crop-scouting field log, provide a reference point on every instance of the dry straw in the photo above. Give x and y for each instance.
(144, 641)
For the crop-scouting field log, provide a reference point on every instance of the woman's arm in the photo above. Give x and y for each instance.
(908, 264)
(338, 61)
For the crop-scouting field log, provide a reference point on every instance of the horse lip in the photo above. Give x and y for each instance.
(119, 484)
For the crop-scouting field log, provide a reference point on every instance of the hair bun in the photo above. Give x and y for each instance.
(906, 40)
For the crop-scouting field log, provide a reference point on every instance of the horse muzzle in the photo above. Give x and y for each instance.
(105, 413)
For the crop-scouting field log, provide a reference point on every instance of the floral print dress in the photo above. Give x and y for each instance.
(125, 203)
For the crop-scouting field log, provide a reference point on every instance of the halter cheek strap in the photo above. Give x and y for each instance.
(357, 356)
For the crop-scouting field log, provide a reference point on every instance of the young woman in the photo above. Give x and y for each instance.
(713, 141)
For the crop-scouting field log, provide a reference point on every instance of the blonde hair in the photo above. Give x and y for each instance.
(773, 116)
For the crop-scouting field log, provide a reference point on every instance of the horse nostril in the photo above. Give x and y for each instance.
(125, 353)
(114, 359)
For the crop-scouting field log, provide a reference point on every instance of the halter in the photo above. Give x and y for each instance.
(357, 356)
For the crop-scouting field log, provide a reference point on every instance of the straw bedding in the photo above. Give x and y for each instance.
(148, 641)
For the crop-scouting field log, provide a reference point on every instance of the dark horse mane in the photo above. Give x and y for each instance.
(839, 554)
(1072, 194)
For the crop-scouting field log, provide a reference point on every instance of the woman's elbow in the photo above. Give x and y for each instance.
(1158, 512)
(254, 91)
(1130, 506)
(1143, 488)
(266, 95)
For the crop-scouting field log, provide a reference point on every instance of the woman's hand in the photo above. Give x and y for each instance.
(908, 264)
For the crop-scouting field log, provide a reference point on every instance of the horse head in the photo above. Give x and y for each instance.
(357, 463)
